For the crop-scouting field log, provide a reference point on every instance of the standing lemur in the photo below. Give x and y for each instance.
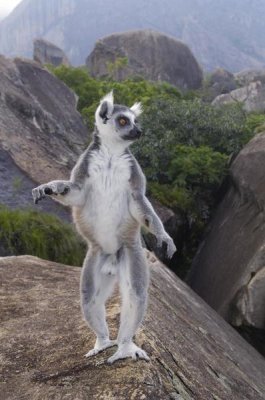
(106, 191)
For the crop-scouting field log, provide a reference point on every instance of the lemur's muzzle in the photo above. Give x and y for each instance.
(135, 133)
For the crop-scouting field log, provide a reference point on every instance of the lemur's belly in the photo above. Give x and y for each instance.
(106, 215)
(106, 211)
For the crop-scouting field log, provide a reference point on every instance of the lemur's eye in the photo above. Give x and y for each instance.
(123, 121)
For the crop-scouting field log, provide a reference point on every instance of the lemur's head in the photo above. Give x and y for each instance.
(117, 123)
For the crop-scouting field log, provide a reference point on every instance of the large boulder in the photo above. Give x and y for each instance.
(251, 96)
(151, 54)
(45, 52)
(228, 271)
(40, 127)
(194, 353)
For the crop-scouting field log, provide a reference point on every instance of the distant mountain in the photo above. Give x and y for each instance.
(225, 33)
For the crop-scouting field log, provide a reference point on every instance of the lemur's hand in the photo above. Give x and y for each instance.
(48, 189)
(171, 248)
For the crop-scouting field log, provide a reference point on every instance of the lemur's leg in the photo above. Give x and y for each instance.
(95, 287)
(65, 192)
(134, 280)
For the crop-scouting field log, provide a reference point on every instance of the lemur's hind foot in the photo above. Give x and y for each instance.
(128, 350)
(100, 347)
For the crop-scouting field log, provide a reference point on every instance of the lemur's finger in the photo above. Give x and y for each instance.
(171, 249)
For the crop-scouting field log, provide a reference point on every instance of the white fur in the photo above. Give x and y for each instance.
(137, 109)
(107, 204)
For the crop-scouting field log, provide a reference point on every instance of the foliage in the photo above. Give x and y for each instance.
(91, 90)
(168, 122)
(114, 68)
(39, 234)
(255, 123)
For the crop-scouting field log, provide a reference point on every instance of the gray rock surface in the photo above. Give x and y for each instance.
(245, 77)
(39, 125)
(251, 96)
(228, 270)
(194, 353)
(46, 52)
(151, 54)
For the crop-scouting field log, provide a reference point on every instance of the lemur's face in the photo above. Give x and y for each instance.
(117, 123)
(125, 123)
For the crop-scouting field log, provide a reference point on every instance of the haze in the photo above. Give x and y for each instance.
(6, 6)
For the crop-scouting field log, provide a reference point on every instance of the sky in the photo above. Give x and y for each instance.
(6, 6)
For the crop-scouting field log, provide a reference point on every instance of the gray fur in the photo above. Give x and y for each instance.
(107, 193)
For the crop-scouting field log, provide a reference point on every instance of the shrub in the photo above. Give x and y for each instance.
(39, 234)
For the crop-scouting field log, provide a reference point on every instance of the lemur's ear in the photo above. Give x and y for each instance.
(106, 107)
(137, 109)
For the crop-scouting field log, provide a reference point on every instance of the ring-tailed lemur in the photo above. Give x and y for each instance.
(106, 191)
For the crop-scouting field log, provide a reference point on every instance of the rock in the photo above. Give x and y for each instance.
(252, 97)
(245, 77)
(47, 53)
(147, 53)
(219, 82)
(39, 125)
(228, 270)
(194, 353)
(250, 303)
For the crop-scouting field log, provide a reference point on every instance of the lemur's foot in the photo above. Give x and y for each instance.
(100, 347)
(129, 350)
(48, 189)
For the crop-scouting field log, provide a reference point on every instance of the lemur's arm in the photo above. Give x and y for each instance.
(142, 210)
(69, 193)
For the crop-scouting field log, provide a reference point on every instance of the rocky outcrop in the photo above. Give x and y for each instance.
(147, 53)
(194, 353)
(47, 53)
(252, 97)
(39, 125)
(245, 77)
(228, 271)
(219, 82)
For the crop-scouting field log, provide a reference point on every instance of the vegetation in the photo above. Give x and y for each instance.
(186, 146)
(39, 234)
(90, 90)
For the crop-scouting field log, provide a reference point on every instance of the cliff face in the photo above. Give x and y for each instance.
(228, 271)
(150, 54)
(194, 353)
(39, 124)
(218, 34)
(41, 133)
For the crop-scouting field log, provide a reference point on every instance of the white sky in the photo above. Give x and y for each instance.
(6, 6)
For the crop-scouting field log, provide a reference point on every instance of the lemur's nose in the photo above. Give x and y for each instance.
(138, 131)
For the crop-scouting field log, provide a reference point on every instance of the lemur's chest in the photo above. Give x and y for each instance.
(109, 176)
